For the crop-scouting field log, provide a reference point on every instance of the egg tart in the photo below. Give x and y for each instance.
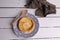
(26, 24)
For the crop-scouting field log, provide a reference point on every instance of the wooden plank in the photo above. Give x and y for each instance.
(13, 12)
(21, 3)
(12, 3)
(43, 33)
(55, 2)
(47, 33)
(49, 22)
(6, 34)
(5, 22)
(43, 22)
(55, 15)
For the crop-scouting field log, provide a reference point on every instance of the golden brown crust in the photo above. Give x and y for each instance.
(26, 24)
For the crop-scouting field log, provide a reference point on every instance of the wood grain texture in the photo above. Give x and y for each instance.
(21, 3)
(43, 22)
(13, 12)
(55, 2)
(12, 3)
(43, 33)
(49, 26)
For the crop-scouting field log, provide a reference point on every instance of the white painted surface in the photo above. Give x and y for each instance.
(43, 22)
(13, 12)
(12, 3)
(56, 2)
(49, 26)
(43, 33)
(21, 3)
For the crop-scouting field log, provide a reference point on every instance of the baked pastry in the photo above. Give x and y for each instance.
(26, 24)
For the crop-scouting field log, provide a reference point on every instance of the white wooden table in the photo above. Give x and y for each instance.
(49, 28)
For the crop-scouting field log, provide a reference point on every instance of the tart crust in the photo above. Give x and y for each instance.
(26, 24)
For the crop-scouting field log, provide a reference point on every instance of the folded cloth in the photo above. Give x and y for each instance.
(43, 7)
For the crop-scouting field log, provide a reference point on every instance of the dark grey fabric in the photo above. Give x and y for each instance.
(43, 7)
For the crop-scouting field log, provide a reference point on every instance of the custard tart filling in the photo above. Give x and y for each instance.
(26, 24)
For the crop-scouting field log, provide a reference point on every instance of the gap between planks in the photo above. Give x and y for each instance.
(39, 27)
(5, 23)
(39, 38)
(13, 12)
(24, 7)
(54, 33)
